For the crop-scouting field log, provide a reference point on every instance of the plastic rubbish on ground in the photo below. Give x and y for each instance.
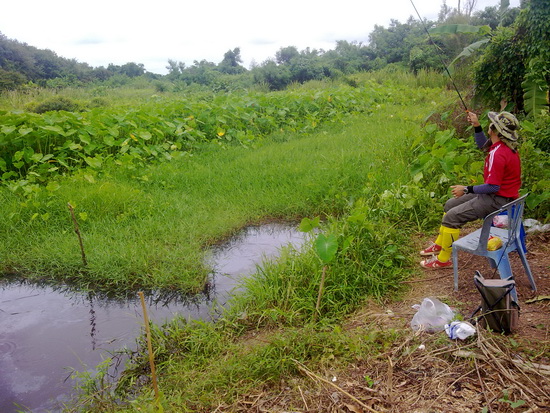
(460, 330)
(500, 221)
(533, 225)
(494, 243)
(432, 315)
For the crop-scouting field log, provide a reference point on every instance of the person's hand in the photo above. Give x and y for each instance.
(472, 118)
(457, 190)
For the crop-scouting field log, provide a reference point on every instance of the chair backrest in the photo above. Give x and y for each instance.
(514, 211)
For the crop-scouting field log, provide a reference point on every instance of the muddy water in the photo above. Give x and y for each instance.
(47, 332)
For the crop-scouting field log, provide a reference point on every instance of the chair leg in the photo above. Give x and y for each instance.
(455, 267)
(527, 268)
(504, 268)
(492, 262)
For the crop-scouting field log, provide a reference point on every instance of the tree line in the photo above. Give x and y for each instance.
(514, 39)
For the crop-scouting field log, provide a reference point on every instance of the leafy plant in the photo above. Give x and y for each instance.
(55, 104)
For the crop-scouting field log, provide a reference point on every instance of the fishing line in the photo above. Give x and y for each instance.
(440, 57)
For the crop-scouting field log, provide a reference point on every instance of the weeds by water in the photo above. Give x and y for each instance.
(146, 226)
(271, 327)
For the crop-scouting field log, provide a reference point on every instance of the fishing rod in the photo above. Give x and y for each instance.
(440, 57)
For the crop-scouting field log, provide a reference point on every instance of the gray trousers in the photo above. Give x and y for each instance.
(470, 207)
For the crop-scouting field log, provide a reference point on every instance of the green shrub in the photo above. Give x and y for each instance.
(98, 103)
(55, 104)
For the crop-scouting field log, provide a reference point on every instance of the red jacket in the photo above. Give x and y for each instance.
(503, 168)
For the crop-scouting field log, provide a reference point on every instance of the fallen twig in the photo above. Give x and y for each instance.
(77, 230)
(537, 299)
(482, 387)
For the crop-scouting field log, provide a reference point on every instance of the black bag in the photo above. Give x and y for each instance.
(499, 310)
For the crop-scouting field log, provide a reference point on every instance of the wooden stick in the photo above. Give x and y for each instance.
(77, 230)
(321, 285)
(303, 398)
(482, 387)
(149, 346)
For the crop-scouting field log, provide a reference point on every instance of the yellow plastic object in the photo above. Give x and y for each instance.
(494, 243)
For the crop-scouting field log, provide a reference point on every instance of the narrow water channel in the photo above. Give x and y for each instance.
(46, 333)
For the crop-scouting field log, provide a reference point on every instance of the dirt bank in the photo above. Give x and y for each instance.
(429, 372)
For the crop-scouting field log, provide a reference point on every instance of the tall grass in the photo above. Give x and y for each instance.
(339, 172)
(148, 227)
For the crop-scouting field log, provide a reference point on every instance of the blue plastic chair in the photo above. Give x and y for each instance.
(476, 242)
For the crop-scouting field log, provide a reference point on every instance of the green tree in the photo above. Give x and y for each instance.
(203, 73)
(11, 80)
(395, 43)
(516, 64)
(285, 54)
(349, 57)
(231, 63)
(277, 77)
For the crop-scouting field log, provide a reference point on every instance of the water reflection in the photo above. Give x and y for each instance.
(47, 331)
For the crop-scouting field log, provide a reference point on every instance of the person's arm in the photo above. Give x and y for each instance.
(480, 137)
(459, 190)
(483, 189)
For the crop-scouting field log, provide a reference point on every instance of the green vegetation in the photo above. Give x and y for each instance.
(362, 141)
(374, 180)
(167, 210)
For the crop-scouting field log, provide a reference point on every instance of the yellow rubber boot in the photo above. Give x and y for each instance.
(439, 238)
(448, 236)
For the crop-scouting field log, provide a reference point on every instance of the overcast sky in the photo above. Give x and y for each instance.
(100, 32)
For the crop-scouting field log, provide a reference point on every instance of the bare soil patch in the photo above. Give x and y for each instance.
(429, 372)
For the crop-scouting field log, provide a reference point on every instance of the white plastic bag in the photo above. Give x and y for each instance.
(432, 315)
(500, 221)
(459, 329)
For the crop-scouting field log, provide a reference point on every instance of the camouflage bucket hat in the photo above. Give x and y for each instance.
(506, 124)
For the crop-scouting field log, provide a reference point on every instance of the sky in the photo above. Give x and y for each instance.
(100, 32)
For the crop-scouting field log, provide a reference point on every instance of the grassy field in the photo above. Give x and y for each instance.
(373, 174)
(355, 176)
(147, 227)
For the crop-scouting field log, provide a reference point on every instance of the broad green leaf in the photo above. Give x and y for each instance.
(418, 177)
(306, 225)
(326, 247)
(53, 186)
(109, 140)
(24, 131)
(528, 126)
(37, 157)
(468, 50)
(89, 178)
(535, 98)
(145, 135)
(56, 129)
(6, 130)
(94, 162)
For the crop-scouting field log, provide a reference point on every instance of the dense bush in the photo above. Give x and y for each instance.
(55, 104)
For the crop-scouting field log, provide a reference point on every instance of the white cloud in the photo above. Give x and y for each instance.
(121, 31)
